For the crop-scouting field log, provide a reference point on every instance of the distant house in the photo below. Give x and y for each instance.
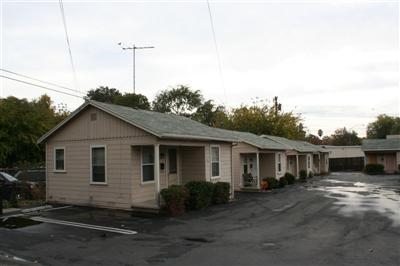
(345, 158)
(113, 156)
(383, 151)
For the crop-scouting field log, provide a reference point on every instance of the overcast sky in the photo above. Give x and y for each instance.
(336, 63)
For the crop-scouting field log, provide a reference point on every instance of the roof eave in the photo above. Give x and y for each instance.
(381, 149)
(194, 137)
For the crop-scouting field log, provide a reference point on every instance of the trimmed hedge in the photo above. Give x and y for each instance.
(200, 194)
(282, 182)
(221, 193)
(373, 169)
(290, 178)
(175, 197)
(272, 182)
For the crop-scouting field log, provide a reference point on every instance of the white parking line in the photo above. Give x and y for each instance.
(87, 226)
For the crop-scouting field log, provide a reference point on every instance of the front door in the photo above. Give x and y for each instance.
(172, 170)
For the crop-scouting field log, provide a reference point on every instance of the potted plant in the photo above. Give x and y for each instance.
(264, 184)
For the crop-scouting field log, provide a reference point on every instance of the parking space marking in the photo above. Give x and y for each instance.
(82, 225)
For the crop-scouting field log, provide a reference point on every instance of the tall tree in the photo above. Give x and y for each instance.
(342, 137)
(21, 124)
(211, 115)
(112, 95)
(264, 120)
(383, 125)
(180, 100)
(133, 100)
(103, 94)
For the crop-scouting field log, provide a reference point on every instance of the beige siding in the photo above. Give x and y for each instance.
(224, 164)
(73, 186)
(237, 163)
(267, 165)
(370, 158)
(123, 143)
(123, 162)
(192, 164)
(281, 173)
(291, 166)
(302, 162)
(398, 160)
(104, 127)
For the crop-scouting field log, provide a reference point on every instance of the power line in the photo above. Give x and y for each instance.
(216, 49)
(40, 86)
(42, 81)
(68, 44)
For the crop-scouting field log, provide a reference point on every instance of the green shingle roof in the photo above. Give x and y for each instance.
(300, 146)
(159, 124)
(255, 140)
(380, 145)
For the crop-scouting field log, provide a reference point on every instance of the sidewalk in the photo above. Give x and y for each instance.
(16, 211)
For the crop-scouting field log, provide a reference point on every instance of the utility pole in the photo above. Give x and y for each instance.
(134, 48)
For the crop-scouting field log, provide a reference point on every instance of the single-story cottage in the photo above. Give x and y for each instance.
(255, 158)
(113, 156)
(301, 155)
(383, 151)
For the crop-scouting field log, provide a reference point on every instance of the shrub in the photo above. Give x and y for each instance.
(310, 174)
(303, 175)
(290, 178)
(175, 197)
(272, 182)
(373, 169)
(282, 182)
(200, 194)
(221, 193)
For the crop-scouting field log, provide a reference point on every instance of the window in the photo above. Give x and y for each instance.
(59, 159)
(98, 164)
(147, 164)
(214, 161)
(308, 161)
(279, 163)
(172, 161)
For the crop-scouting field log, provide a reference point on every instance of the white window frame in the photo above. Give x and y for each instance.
(105, 165)
(279, 163)
(219, 161)
(141, 166)
(55, 161)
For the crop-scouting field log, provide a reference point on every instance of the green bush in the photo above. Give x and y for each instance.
(272, 182)
(303, 175)
(290, 178)
(310, 174)
(221, 193)
(175, 197)
(373, 169)
(200, 194)
(282, 182)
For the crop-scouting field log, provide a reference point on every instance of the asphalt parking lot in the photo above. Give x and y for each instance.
(340, 219)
